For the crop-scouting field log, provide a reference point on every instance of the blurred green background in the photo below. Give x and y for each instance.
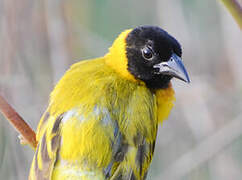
(202, 140)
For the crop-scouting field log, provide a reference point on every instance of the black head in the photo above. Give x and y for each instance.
(149, 49)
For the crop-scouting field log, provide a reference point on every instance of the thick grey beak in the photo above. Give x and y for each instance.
(173, 67)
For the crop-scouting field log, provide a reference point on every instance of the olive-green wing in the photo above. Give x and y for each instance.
(138, 170)
(46, 151)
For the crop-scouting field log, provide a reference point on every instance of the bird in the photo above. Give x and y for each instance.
(103, 115)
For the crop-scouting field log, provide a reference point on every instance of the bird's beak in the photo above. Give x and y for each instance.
(173, 67)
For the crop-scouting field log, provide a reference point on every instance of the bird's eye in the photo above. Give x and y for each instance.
(147, 53)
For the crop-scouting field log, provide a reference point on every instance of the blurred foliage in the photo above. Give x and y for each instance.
(202, 139)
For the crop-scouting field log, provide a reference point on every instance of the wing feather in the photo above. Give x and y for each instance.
(45, 158)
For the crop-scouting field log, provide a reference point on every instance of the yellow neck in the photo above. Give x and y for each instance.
(116, 58)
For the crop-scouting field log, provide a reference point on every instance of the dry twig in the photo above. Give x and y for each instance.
(17, 121)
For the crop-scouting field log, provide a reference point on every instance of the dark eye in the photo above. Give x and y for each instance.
(147, 53)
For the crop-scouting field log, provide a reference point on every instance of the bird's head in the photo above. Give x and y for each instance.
(148, 54)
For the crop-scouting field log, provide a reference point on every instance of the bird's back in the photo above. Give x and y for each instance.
(98, 126)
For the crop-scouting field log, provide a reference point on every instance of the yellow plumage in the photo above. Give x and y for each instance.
(98, 120)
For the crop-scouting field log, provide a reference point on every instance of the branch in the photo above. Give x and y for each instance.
(17, 121)
(235, 10)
